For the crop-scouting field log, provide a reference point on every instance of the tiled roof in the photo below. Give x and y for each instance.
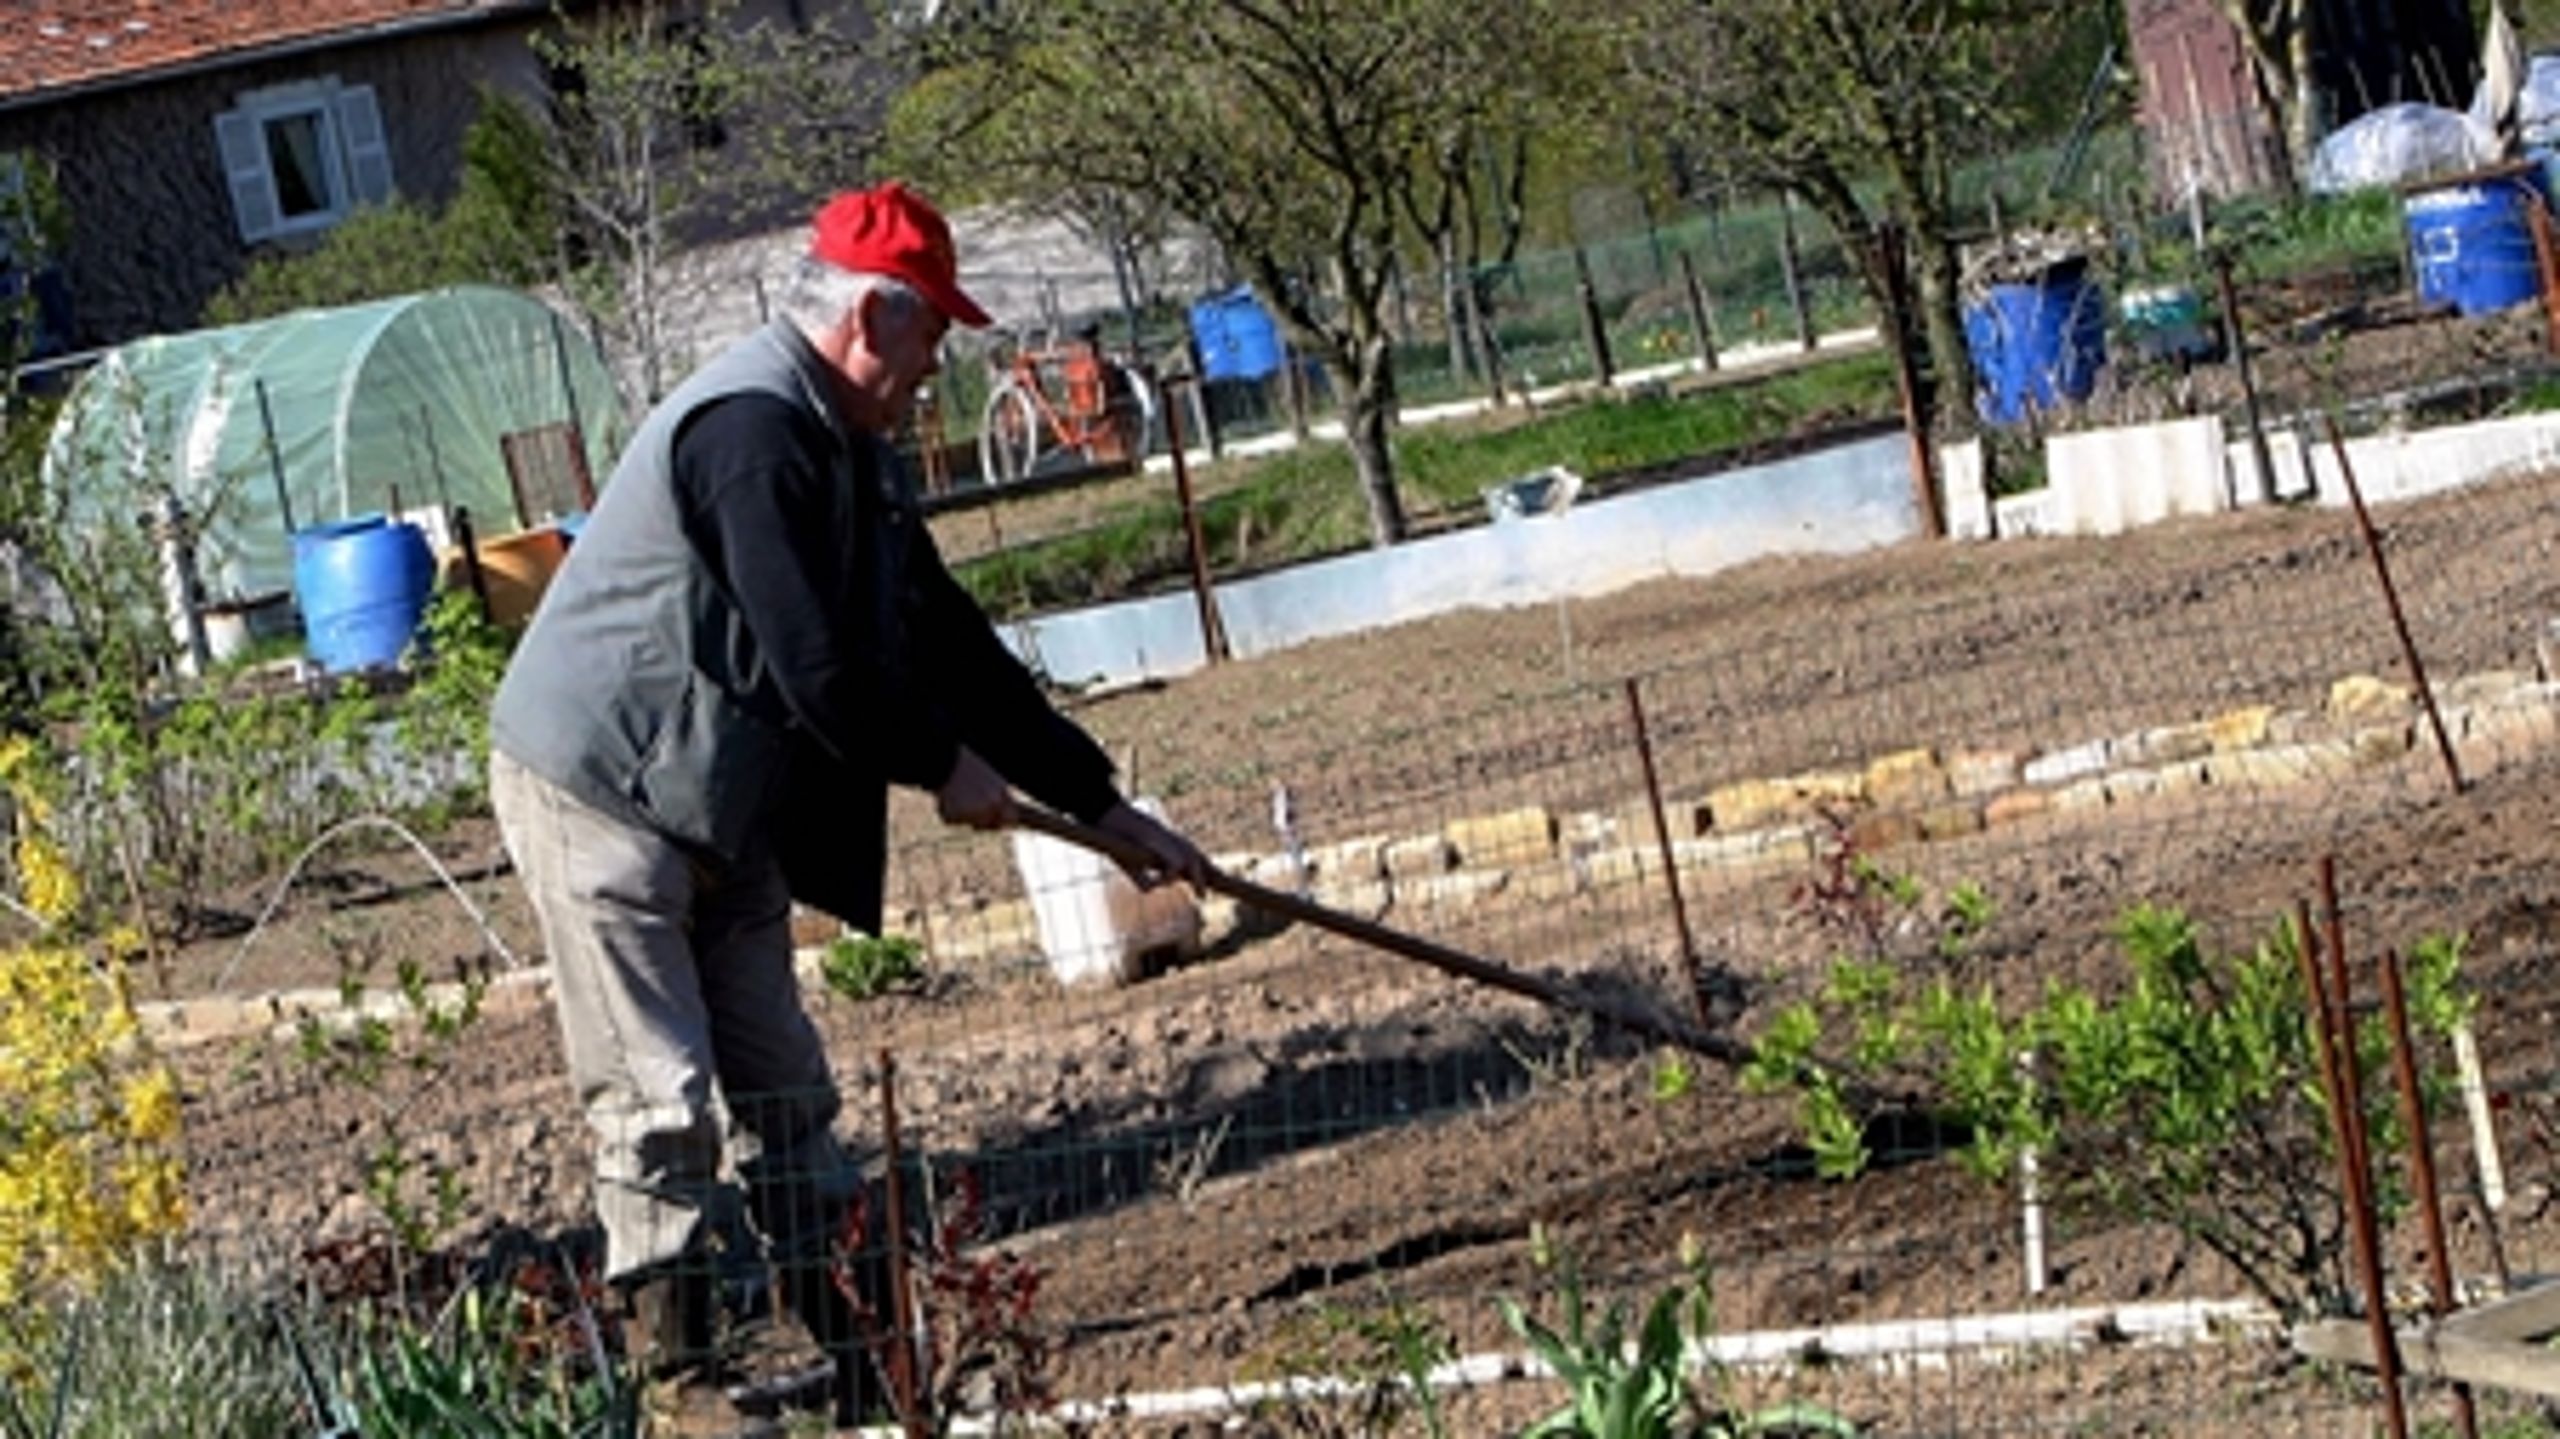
(48, 45)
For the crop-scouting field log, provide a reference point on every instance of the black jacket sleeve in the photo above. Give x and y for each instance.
(808, 571)
(855, 634)
(998, 708)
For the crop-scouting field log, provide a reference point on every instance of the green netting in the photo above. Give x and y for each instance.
(399, 406)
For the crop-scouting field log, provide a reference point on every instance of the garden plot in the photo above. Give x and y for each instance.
(1200, 1161)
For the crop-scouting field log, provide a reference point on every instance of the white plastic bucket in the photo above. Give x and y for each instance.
(1095, 925)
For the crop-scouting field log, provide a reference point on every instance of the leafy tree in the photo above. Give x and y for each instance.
(1863, 107)
(1296, 134)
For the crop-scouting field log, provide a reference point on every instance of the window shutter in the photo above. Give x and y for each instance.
(244, 165)
(368, 157)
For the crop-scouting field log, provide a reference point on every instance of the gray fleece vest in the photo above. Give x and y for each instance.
(615, 692)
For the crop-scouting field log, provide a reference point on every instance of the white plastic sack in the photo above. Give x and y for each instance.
(2397, 144)
(2538, 104)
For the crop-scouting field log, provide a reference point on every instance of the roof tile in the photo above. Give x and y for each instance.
(57, 44)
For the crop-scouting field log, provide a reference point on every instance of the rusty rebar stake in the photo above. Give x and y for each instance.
(1213, 630)
(2422, 1170)
(902, 1343)
(2547, 266)
(1670, 856)
(2332, 1015)
(2391, 601)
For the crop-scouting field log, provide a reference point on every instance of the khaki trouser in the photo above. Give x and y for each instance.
(669, 973)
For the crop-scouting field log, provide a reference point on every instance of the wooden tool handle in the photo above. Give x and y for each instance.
(1661, 1028)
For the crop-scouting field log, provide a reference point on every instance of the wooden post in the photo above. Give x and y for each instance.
(275, 456)
(1595, 334)
(2237, 339)
(1199, 385)
(1702, 315)
(472, 574)
(1789, 266)
(1293, 391)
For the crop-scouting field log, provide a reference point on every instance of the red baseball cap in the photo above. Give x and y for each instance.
(892, 230)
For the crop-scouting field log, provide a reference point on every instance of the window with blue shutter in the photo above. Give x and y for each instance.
(302, 157)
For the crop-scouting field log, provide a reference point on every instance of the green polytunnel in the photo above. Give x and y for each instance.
(472, 396)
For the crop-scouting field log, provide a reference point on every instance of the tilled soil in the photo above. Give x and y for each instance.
(1208, 1163)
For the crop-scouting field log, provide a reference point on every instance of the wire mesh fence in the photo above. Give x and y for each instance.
(1233, 1131)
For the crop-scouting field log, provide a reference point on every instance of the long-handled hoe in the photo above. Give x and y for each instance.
(1660, 1027)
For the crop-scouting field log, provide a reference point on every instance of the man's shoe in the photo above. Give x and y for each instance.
(671, 1323)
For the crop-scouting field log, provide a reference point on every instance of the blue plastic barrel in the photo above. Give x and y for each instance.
(2036, 345)
(363, 583)
(2472, 244)
(1237, 338)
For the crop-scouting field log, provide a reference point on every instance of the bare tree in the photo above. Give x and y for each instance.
(1293, 133)
(671, 127)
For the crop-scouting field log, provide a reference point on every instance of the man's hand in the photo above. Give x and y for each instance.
(1169, 855)
(975, 795)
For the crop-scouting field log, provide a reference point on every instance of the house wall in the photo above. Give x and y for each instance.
(153, 234)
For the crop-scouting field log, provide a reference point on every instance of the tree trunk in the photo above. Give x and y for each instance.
(1941, 313)
(1368, 422)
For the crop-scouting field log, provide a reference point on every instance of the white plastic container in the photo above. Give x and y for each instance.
(1097, 927)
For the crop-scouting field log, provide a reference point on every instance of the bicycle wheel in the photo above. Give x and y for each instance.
(1133, 411)
(1008, 435)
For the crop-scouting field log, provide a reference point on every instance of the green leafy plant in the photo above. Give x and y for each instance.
(1634, 1384)
(1385, 1351)
(865, 966)
(482, 1373)
(158, 1348)
(361, 1048)
(2189, 1096)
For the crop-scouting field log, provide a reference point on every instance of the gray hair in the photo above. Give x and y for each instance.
(820, 294)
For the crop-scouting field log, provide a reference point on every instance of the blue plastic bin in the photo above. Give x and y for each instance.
(2471, 244)
(1237, 338)
(2036, 345)
(363, 584)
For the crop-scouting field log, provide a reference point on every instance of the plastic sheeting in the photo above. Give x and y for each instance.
(2398, 144)
(401, 404)
(2538, 103)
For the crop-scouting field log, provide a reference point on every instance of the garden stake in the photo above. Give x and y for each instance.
(2236, 340)
(1659, 1027)
(478, 579)
(1213, 633)
(2391, 601)
(2539, 217)
(1662, 836)
(2342, 1019)
(2422, 1168)
(2343, 1123)
(902, 1343)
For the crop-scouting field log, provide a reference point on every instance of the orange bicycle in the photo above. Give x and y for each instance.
(1058, 401)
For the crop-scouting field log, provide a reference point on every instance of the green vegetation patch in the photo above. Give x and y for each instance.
(1304, 503)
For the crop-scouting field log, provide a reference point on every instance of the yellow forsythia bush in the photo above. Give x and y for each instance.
(89, 1164)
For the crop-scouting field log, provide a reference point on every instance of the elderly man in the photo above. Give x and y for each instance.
(755, 636)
